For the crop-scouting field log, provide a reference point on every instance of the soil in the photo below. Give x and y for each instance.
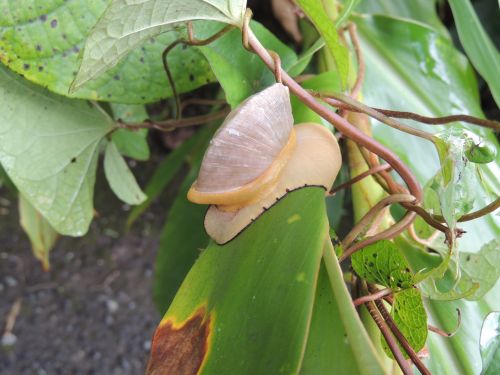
(92, 313)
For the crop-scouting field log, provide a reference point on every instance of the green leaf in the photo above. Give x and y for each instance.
(126, 25)
(321, 82)
(423, 73)
(49, 148)
(252, 296)
(305, 58)
(382, 263)
(43, 44)
(418, 10)
(480, 50)
(410, 317)
(130, 143)
(452, 191)
(348, 7)
(240, 72)
(183, 235)
(41, 234)
(336, 334)
(182, 239)
(120, 177)
(325, 26)
(482, 268)
(490, 344)
(458, 354)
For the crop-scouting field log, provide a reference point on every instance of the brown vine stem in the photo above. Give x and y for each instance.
(251, 41)
(440, 332)
(326, 97)
(401, 338)
(443, 120)
(391, 232)
(369, 172)
(191, 41)
(360, 77)
(390, 186)
(493, 206)
(372, 297)
(367, 218)
(171, 124)
(391, 342)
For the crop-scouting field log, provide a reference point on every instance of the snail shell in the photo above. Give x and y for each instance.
(258, 156)
(248, 151)
(316, 161)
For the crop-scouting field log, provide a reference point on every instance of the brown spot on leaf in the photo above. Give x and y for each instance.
(180, 349)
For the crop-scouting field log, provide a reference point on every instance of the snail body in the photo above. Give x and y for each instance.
(256, 158)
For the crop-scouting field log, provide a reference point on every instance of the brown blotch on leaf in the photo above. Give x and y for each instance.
(180, 350)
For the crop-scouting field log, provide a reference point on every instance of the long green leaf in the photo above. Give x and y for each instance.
(325, 26)
(245, 307)
(183, 235)
(49, 148)
(480, 50)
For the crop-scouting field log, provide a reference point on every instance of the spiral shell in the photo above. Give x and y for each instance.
(247, 145)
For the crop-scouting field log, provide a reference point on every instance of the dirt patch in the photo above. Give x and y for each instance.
(93, 312)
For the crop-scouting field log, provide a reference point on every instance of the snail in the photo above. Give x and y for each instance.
(256, 157)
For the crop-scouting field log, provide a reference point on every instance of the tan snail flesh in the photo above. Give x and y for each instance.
(303, 155)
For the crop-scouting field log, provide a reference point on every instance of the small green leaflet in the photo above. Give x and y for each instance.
(125, 25)
(410, 317)
(382, 263)
(42, 236)
(131, 143)
(49, 149)
(120, 177)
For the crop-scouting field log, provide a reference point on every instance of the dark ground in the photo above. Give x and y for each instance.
(93, 312)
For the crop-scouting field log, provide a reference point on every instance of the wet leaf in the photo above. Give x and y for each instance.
(490, 344)
(424, 73)
(126, 25)
(49, 148)
(325, 26)
(43, 43)
(41, 234)
(120, 177)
